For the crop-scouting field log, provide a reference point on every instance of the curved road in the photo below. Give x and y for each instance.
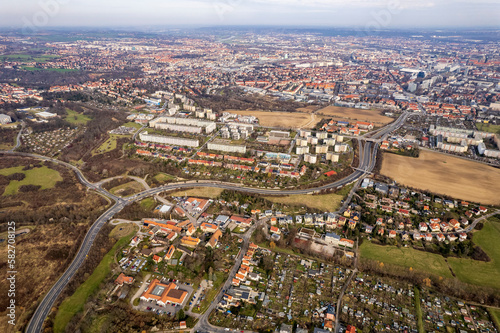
(367, 158)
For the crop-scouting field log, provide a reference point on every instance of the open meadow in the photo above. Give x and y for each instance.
(340, 112)
(76, 118)
(406, 257)
(43, 176)
(325, 202)
(480, 272)
(201, 192)
(445, 174)
(281, 119)
(466, 270)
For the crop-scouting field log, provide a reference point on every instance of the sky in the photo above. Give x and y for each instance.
(372, 14)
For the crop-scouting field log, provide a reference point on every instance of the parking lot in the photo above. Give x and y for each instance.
(134, 264)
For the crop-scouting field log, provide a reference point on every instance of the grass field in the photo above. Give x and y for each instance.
(129, 188)
(406, 257)
(43, 176)
(108, 145)
(132, 124)
(202, 192)
(418, 309)
(76, 118)
(480, 272)
(164, 177)
(373, 116)
(445, 174)
(495, 315)
(326, 202)
(148, 203)
(27, 57)
(74, 304)
(488, 128)
(122, 230)
(282, 119)
(467, 270)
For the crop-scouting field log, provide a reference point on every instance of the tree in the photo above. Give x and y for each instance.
(272, 245)
(180, 315)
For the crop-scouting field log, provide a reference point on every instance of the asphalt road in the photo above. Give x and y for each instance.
(367, 162)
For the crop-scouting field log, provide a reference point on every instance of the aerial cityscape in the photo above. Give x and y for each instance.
(250, 167)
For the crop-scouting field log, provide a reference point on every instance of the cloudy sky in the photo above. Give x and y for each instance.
(371, 13)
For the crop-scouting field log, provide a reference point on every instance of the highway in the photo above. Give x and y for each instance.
(367, 160)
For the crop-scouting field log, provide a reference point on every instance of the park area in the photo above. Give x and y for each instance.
(342, 113)
(76, 118)
(281, 119)
(445, 174)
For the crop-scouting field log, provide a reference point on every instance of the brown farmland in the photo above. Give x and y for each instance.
(373, 116)
(445, 174)
(281, 119)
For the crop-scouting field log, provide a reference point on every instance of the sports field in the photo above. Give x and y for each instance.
(445, 174)
(372, 116)
(282, 119)
(326, 202)
(43, 176)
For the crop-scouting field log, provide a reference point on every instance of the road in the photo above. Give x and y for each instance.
(18, 137)
(203, 325)
(41, 313)
(367, 163)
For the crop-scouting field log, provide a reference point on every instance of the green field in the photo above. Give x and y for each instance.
(495, 315)
(418, 310)
(76, 118)
(406, 257)
(480, 272)
(132, 124)
(326, 202)
(148, 203)
(488, 128)
(61, 70)
(74, 303)
(108, 145)
(164, 177)
(27, 57)
(467, 270)
(44, 177)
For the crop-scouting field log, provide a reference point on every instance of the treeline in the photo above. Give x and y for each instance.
(234, 98)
